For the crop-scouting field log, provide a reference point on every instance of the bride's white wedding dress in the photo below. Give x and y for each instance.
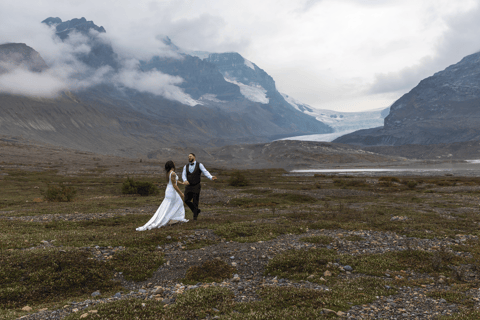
(171, 208)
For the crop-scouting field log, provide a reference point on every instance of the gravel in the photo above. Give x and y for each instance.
(251, 259)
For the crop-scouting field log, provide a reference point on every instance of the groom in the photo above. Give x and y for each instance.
(191, 174)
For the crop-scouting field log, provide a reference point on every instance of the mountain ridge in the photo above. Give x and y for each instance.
(111, 117)
(442, 108)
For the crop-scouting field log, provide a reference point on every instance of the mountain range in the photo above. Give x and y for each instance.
(110, 104)
(443, 108)
(133, 109)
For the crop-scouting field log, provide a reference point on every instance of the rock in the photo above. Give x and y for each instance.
(311, 276)
(327, 274)
(84, 315)
(142, 291)
(96, 293)
(27, 309)
(169, 237)
(341, 313)
(118, 295)
(348, 268)
(399, 218)
(234, 264)
(74, 310)
(328, 311)
(232, 257)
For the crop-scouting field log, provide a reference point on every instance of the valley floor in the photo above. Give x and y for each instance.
(268, 244)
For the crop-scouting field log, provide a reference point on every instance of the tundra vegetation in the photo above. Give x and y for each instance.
(253, 206)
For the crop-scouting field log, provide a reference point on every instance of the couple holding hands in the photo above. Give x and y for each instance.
(172, 207)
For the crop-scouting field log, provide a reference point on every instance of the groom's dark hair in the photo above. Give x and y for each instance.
(193, 154)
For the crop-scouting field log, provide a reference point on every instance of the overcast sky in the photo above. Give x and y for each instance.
(345, 55)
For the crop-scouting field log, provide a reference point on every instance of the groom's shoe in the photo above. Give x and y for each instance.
(198, 212)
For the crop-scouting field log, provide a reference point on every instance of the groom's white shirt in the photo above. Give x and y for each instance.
(191, 168)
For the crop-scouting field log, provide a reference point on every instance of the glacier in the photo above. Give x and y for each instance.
(342, 122)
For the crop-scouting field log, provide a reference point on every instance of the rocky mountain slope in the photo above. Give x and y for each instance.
(210, 109)
(443, 108)
(15, 55)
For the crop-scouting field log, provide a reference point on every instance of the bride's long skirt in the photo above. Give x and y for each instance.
(171, 208)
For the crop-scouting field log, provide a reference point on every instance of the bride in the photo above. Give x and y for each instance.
(172, 205)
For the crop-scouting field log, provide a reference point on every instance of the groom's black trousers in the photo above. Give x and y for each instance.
(189, 195)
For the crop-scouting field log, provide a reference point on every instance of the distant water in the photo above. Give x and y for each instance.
(364, 170)
(473, 161)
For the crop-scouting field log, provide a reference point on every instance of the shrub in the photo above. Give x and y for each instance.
(299, 264)
(128, 187)
(193, 304)
(237, 179)
(146, 188)
(411, 184)
(210, 271)
(350, 183)
(46, 275)
(198, 303)
(142, 188)
(124, 309)
(60, 194)
(389, 179)
(252, 232)
(137, 264)
(354, 238)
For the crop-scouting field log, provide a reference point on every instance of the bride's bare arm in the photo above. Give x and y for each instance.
(174, 180)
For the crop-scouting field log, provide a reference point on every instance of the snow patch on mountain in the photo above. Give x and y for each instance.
(187, 100)
(249, 64)
(210, 97)
(253, 92)
(300, 106)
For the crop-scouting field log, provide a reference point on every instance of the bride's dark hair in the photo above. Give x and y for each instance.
(168, 166)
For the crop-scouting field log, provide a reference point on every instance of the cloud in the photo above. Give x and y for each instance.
(318, 51)
(459, 39)
(404, 79)
(67, 71)
(64, 72)
(24, 82)
(153, 81)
